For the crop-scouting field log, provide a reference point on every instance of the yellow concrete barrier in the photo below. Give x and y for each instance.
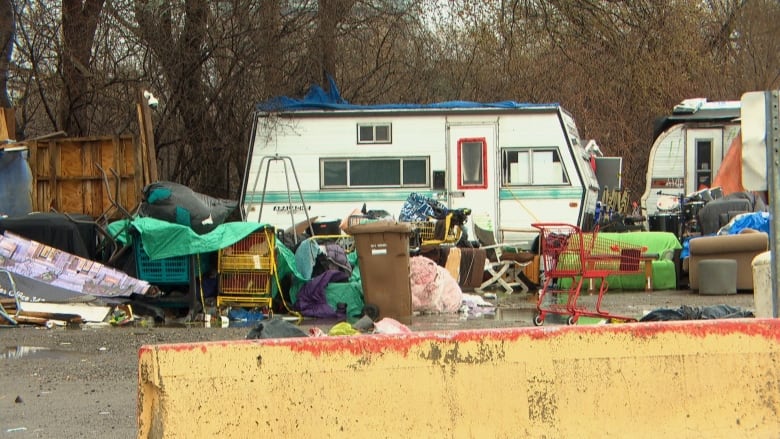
(713, 379)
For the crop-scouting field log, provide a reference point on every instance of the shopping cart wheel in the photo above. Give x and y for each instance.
(571, 320)
(538, 320)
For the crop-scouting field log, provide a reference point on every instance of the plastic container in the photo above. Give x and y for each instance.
(762, 285)
(251, 253)
(383, 257)
(167, 271)
(245, 283)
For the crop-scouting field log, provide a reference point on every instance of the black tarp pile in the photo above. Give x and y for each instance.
(687, 312)
(178, 204)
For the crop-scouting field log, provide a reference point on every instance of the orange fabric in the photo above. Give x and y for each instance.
(729, 176)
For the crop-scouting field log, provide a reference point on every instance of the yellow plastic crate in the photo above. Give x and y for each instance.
(245, 283)
(251, 253)
(244, 263)
(245, 289)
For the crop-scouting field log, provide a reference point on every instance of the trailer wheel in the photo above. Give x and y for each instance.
(538, 320)
(571, 320)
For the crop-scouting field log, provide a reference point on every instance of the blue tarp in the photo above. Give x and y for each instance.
(757, 221)
(319, 99)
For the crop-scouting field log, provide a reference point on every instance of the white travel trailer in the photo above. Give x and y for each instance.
(516, 163)
(687, 151)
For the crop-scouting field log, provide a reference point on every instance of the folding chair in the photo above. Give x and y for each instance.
(505, 268)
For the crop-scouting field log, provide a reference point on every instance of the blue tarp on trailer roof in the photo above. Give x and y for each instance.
(319, 99)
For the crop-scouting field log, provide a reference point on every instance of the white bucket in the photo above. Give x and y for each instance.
(762, 285)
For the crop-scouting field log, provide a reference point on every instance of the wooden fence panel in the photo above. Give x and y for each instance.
(67, 175)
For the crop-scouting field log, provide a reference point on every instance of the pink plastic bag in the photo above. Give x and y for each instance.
(390, 326)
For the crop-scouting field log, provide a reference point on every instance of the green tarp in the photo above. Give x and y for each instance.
(166, 240)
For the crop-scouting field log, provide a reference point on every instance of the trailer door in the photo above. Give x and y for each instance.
(704, 153)
(472, 154)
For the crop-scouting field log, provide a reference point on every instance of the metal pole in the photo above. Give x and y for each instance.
(773, 187)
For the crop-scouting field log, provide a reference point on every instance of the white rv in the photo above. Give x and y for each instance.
(687, 151)
(516, 163)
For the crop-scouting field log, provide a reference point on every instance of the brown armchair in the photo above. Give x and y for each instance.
(742, 247)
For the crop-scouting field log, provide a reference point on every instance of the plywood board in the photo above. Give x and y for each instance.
(67, 175)
(7, 123)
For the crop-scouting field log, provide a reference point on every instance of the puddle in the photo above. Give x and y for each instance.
(17, 352)
(526, 315)
(14, 352)
(514, 314)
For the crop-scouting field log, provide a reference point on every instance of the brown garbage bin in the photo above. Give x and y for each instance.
(383, 258)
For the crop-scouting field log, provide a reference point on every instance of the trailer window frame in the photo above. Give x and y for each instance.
(342, 169)
(704, 155)
(374, 128)
(472, 168)
(534, 174)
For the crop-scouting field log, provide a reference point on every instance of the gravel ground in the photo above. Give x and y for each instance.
(74, 383)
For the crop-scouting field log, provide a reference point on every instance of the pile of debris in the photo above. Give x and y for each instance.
(61, 269)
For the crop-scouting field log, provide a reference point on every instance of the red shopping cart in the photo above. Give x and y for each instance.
(563, 249)
(571, 256)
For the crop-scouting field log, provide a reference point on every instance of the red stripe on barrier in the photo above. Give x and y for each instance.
(402, 343)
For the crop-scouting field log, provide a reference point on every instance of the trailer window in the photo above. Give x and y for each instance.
(374, 133)
(532, 166)
(703, 163)
(375, 172)
(472, 168)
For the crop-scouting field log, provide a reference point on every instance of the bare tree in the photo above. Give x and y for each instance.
(79, 24)
(7, 32)
(330, 13)
(213, 61)
(745, 45)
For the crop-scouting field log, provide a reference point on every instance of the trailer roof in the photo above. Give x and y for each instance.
(318, 99)
(698, 110)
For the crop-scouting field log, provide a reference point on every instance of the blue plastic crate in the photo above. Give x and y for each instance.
(167, 271)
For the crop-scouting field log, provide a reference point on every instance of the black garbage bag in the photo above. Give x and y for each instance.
(176, 203)
(276, 328)
(686, 312)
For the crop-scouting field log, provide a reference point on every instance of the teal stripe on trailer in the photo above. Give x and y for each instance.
(540, 193)
(332, 196)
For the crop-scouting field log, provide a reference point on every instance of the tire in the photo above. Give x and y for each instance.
(571, 320)
(538, 320)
